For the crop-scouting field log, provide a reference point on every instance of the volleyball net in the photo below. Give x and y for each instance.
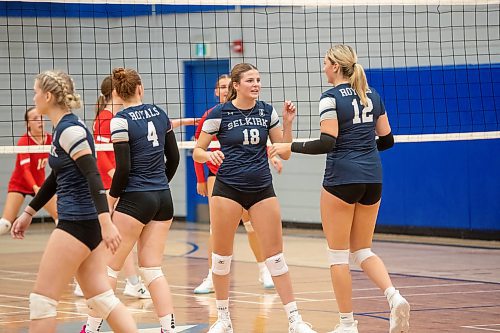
(435, 64)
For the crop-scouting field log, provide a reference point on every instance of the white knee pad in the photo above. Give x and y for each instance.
(103, 303)
(221, 265)
(277, 265)
(112, 273)
(149, 274)
(42, 306)
(361, 255)
(338, 257)
(248, 226)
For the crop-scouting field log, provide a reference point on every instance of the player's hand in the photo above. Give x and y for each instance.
(36, 188)
(216, 157)
(289, 111)
(20, 225)
(277, 164)
(202, 189)
(280, 149)
(111, 203)
(110, 235)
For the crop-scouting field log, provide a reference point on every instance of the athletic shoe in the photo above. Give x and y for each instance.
(78, 291)
(400, 314)
(300, 326)
(221, 326)
(138, 291)
(83, 329)
(4, 226)
(343, 328)
(206, 287)
(266, 279)
(172, 330)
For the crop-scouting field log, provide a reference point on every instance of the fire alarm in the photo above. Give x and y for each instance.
(238, 46)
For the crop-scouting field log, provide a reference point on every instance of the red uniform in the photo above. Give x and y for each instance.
(30, 167)
(198, 167)
(102, 134)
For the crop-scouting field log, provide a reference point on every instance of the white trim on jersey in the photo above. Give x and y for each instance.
(119, 129)
(73, 139)
(25, 161)
(211, 126)
(102, 139)
(327, 109)
(275, 119)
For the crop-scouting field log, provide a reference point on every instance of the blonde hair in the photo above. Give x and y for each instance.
(105, 95)
(346, 57)
(235, 75)
(61, 86)
(125, 82)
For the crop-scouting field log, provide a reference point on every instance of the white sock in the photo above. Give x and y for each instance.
(168, 322)
(346, 318)
(209, 275)
(93, 324)
(292, 312)
(262, 266)
(133, 279)
(222, 308)
(389, 292)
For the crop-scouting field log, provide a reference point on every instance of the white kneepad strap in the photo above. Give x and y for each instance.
(103, 303)
(277, 265)
(338, 257)
(248, 226)
(221, 265)
(112, 273)
(361, 255)
(42, 306)
(149, 274)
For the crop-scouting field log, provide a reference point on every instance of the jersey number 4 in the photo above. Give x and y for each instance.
(152, 136)
(365, 116)
(254, 136)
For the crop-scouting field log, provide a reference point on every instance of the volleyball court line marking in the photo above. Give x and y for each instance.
(483, 327)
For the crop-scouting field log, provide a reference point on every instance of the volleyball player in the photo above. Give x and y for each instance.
(243, 125)
(204, 187)
(106, 107)
(29, 171)
(142, 138)
(74, 247)
(351, 114)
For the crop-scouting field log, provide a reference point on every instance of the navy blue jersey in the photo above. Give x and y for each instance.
(243, 139)
(144, 127)
(355, 158)
(74, 201)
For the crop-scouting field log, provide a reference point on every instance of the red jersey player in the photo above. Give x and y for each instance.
(29, 171)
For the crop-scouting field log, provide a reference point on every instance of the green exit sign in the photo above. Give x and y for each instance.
(202, 50)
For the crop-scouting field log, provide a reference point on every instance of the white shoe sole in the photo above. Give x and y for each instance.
(401, 318)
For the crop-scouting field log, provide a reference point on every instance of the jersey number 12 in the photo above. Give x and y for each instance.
(365, 116)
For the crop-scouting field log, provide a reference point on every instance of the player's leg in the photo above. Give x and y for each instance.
(264, 275)
(207, 285)
(363, 227)
(134, 286)
(266, 219)
(13, 203)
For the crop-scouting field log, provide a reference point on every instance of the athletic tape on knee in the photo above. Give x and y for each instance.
(361, 255)
(338, 257)
(42, 306)
(221, 265)
(112, 273)
(103, 303)
(149, 274)
(277, 265)
(248, 226)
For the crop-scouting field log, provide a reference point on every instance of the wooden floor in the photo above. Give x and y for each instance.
(451, 287)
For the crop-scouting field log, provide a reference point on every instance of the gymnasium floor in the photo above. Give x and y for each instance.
(452, 285)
